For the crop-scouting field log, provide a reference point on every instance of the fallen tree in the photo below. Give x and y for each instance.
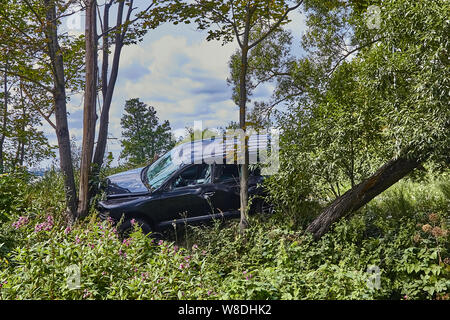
(362, 193)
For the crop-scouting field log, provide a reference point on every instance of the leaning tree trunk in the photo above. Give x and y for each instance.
(361, 194)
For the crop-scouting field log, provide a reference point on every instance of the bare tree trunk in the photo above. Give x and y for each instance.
(59, 96)
(108, 86)
(22, 154)
(359, 195)
(24, 114)
(242, 124)
(89, 111)
(5, 115)
(245, 48)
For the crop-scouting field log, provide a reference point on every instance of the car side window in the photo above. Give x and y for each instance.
(193, 175)
(226, 172)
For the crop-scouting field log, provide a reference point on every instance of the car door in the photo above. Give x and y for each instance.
(223, 193)
(183, 196)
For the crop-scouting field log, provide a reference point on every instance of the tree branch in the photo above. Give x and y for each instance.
(275, 26)
(349, 53)
(130, 22)
(21, 76)
(34, 12)
(35, 106)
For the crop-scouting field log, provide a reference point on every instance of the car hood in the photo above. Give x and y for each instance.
(126, 182)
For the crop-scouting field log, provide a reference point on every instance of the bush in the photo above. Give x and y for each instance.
(135, 268)
(14, 193)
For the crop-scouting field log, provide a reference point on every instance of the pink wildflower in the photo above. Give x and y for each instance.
(123, 254)
(20, 223)
(86, 294)
(46, 226)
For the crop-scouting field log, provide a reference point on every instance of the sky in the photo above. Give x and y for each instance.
(179, 73)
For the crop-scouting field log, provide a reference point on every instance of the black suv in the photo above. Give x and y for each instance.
(181, 187)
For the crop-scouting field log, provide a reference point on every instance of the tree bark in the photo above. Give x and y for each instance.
(358, 196)
(5, 115)
(243, 224)
(89, 110)
(108, 86)
(24, 139)
(59, 96)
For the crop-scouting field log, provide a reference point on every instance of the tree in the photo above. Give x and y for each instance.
(24, 144)
(54, 63)
(395, 83)
(145, 138)
(236, 20)
(128, 29)
(89, 110)
(4, 114)
(47, 65)
(267, 62)
(55, 54)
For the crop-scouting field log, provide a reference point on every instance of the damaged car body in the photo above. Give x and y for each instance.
(193, 183)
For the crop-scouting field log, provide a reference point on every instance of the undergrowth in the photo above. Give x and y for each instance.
(396, 247)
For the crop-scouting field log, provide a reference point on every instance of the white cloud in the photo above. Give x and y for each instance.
(180, 76)
(179, 73)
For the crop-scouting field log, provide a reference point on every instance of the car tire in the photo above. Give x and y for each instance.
(263, 207)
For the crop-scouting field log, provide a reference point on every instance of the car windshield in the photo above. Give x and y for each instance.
(160, 170)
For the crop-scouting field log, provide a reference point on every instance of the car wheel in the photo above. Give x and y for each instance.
(263, 207)
(268, 209)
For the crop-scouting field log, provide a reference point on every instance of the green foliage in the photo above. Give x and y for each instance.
(144, 137)
(343, 120)
(14, 193)
(226, 20)
(349, 117)
(404, 234)
(266, 61)
(292, 189)
(413, 263)
(109, 268)
(400, 69)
